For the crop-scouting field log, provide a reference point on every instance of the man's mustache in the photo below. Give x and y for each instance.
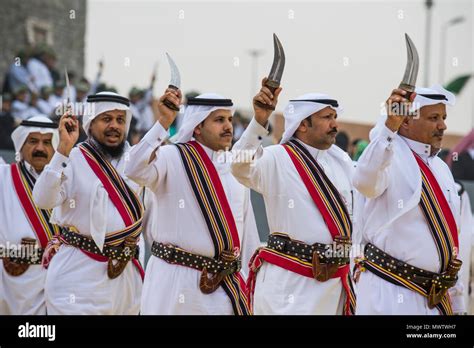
(226, 133)
(438, 134)
(334, 130)
(113, 132)
(40, 154)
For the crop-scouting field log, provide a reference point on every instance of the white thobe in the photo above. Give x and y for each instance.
(76, 283)
(23, 294)
(40, 72)
(466, 238)
(388, 175)
(291, 210)
(174, 289)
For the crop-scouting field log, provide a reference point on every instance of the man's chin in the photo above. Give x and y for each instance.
(226, 145)
(114, 149)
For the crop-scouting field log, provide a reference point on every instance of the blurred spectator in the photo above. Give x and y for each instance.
(40, 66)
(342, 140)
(238, 123)
(461, 158)
(7, 123)
(359, 148)
(18, 75)
(56, 98)
(21, 108)
(43, 104)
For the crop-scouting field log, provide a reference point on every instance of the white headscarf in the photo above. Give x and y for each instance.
(194, 115)
(295, 112)
(419, 102)
(94, 109)
(20, 134)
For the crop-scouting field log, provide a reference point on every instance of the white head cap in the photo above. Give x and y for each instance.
(303, 106)
(424, 96)
(36, 124)
(102, 102)
(197, 110)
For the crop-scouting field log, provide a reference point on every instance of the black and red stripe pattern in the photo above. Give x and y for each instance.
(211, 198)
(38, 218)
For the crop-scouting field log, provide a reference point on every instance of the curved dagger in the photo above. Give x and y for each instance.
(276, 72)
(175, 81)
(411, 70)
(68, 98)
(409, 79)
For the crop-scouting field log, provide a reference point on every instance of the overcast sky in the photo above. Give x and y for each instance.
(353, 50)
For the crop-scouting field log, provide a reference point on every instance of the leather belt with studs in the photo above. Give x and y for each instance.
(283, 243)
(118, 255)
(176, 255)
(420, 277)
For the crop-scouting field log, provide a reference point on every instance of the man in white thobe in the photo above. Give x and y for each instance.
(311, 119)
(79, 282)
(173, 288)
(22, 293)
(389, 176)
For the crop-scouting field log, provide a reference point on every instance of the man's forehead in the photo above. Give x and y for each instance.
(325, 111)
(38, 135)
(221, 112)
(116, 113)
(439, 108)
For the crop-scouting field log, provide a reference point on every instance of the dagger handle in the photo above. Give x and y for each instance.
(272, 87)
(410, 96)
(169, 104)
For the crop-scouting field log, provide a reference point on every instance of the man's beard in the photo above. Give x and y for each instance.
(112, 151)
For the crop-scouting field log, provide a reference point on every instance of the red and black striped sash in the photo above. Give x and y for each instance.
(324, 194)
(122, 196)
(438, 215)
(215, 208)
(334, 212)
(38, 218)
(441, 222)
(442, 225)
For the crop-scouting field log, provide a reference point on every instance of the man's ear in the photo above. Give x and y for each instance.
(197, 130)
(406, 122)
(303, 127)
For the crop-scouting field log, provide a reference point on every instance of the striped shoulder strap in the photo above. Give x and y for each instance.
(122, 196)
(323, 192)
(438, 215)
(38, 218)
(212, 200)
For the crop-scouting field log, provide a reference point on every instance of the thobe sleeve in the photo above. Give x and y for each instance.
(250, 159)
(54, 184)
(146, 167)
(371, 176)
(250, 241)
(456, 294)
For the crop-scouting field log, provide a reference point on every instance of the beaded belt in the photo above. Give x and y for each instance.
(387, 267)
(118, 256)
(227, 263)
(324, 258)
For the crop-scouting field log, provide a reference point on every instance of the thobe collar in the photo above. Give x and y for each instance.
(422, 149)
(220, 159)
(31, 170)
(316, 153)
